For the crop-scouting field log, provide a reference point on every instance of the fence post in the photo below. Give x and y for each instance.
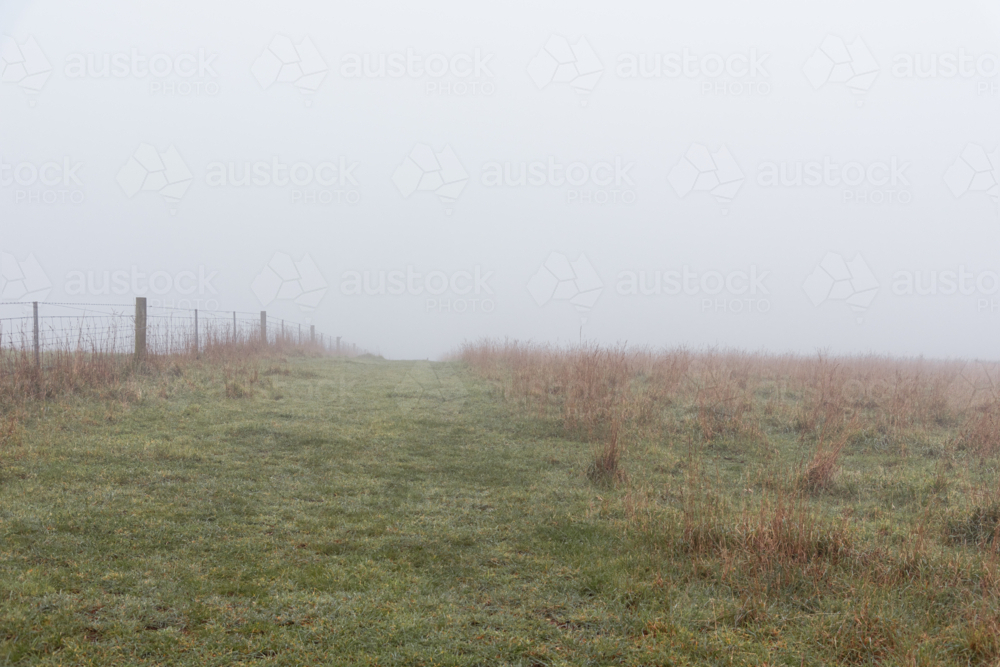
(263, 327)
(312, 334)
(140, 328)
(38, 353)
(196, 348)
(299, 342)
(234, 326)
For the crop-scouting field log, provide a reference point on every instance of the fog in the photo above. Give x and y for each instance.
(785, 176)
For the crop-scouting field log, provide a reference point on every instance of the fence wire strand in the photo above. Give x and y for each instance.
(110, 329)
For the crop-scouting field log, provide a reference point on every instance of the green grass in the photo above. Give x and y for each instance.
(399, 513)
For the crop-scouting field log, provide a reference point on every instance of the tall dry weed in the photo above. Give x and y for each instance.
(822, 468)
(738, 395)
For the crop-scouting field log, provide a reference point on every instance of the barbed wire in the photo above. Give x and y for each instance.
(126, 305)
(57, 303)
(89, 330)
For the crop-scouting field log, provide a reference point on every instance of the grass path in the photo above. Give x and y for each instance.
(352, 513)
(396, 513)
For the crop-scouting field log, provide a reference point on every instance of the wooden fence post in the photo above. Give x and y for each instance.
(140, 328)
(338, 344)
(38, 353)
(196, 347)
(263, 327)
(234, 326)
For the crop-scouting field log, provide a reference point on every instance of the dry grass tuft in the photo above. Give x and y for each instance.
(606, 467)
(784, 538)
(98, 368)
(863, 637)
(822, 469)
(733, 398)
(240, 378)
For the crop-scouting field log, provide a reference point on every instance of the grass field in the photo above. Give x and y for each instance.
(360, 511)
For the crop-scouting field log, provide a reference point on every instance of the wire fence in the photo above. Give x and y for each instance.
(43, 329)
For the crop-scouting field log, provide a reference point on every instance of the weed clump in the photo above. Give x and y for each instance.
(736, 398)
(862, 637)
(822, 469)
(605, 469)
(240, 379)
(979, 528)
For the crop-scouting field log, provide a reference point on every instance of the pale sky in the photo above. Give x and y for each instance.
(763, 175)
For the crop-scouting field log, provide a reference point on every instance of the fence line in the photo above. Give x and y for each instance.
(44, 328)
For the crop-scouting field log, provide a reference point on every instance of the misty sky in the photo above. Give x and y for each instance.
(776, 175)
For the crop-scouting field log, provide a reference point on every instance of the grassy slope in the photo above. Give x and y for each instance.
(369, 512)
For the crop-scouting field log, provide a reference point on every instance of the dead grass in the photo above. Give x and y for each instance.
(741, 509)
(821, 470)
(606, 466)
(731, 398)
(98, 368)
(794, 534)
(862, 637)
